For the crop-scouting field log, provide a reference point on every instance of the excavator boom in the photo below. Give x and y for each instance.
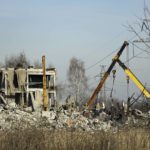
(106, 74)
(134, 79)
(126, 70)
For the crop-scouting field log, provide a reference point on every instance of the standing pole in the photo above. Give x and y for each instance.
(103, 91)
(45, 98)
(127, 60)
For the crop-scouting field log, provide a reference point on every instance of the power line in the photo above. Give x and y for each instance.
(137, 34)
(109, 54)
(134, 56)
(148, 52)
(143, 57)
(100, 60)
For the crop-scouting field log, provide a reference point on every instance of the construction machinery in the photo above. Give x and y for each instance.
(137, 82)
(107, 73)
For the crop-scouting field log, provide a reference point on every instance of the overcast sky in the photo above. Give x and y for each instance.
(61, 29)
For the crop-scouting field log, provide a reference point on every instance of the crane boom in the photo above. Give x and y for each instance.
(106, 74)
(134, 79)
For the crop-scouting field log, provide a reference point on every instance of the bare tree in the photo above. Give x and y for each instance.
(37, 64)
(50, 65)
(77, 79)
(1, 65)
(142, 29)
(19, 60)
(60, 91)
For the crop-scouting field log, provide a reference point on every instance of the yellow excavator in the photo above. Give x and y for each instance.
(107, 73)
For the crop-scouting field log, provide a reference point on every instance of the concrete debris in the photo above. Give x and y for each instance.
(2, 99)
(24, 86)
(12, 117)
(140, 113)
(12, 105)
(103, 116)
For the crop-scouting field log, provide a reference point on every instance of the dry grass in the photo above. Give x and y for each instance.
(33, 139)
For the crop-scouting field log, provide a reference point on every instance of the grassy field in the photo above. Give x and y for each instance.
(33, 139)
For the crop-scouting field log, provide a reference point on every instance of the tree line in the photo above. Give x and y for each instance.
(77, 82)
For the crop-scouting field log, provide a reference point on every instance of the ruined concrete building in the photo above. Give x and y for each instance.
(25, 86)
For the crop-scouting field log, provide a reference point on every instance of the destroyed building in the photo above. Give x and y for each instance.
(25, 86)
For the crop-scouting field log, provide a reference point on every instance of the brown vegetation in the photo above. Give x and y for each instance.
(33, 139)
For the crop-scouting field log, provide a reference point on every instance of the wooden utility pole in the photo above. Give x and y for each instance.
(103, 91)
(45, 98)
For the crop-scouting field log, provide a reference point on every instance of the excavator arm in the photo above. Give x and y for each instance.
(134, 79)
(106, 74)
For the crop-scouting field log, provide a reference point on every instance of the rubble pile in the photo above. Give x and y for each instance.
(13, 117)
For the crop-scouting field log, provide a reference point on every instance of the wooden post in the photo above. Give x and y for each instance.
(45, 98)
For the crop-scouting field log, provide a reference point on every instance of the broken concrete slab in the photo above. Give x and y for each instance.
(46, 114)
(2, 99)
(61, 119)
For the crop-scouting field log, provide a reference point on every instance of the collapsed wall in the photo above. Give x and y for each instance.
(25, 86)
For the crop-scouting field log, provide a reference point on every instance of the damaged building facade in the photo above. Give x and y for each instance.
(25, 86)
